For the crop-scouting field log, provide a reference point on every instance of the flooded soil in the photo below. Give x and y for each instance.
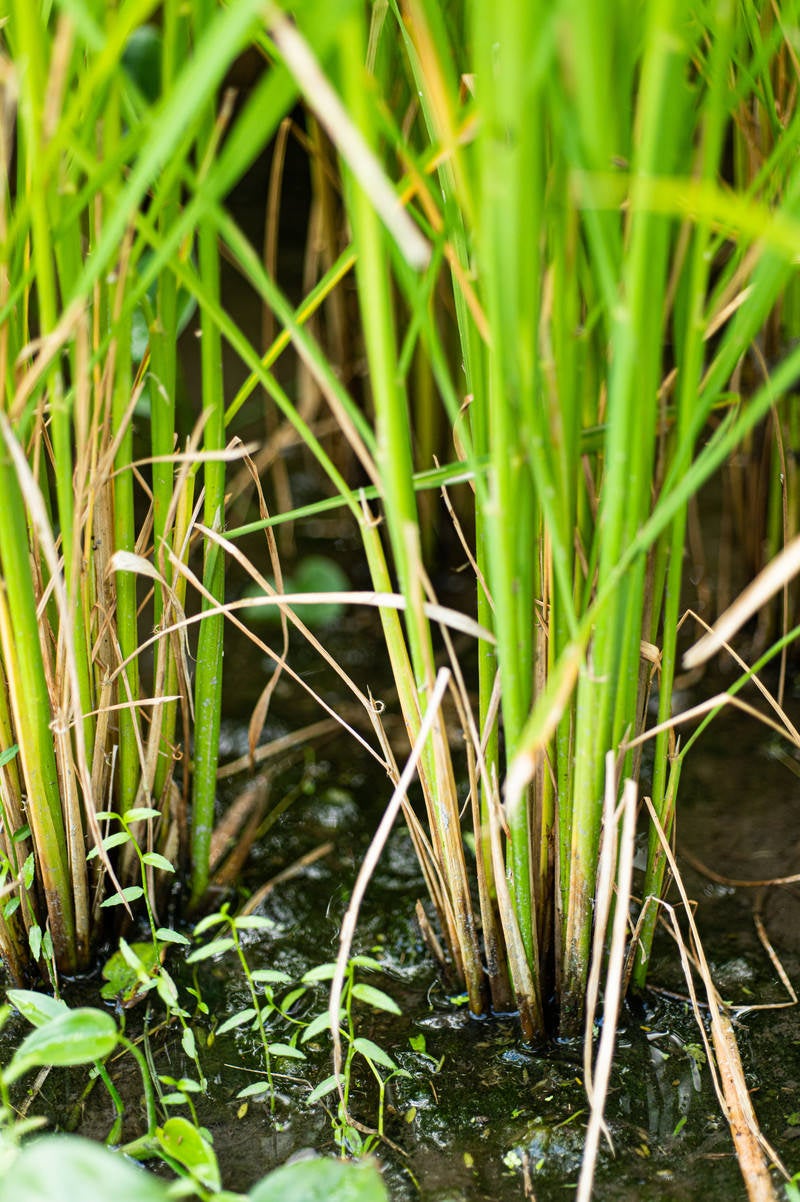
(480, 1117)
(480, 1114)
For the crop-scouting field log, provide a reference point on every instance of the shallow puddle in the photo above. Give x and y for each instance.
(480, 1116)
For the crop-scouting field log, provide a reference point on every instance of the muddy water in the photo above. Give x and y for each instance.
(480, 1114)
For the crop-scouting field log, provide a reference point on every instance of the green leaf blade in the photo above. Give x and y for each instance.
(375, 998)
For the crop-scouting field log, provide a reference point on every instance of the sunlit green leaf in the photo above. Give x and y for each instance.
(236, 1020)
(322, 1180)
(286, 1050)
(255, 1090)
(215, 948)
(188, 1043)
(253, 922)
(167, 935)
(129, 894)
(375, 998)
(373, 1052)
(205, 924)
(74, 1037)
(322, 972)
(56, 1168)
(110, 841)
(293, 996)
(321, 1022)
(38, 1008)
(322, 1090)
(158, 861)
(140, 956)
(35, 941)
(167, 989)
(181, 1140)
(7, 756)
(367, 962)
(140, 813)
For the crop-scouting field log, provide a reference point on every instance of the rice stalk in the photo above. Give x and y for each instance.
(112, 204)
(585, 226)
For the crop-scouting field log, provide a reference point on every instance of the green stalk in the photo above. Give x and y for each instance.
(126, 623)
(425, 37)
(32, 710)
(509, 214)
(35, 739)
(568, 383)
(34, 44)
(208, 681)
(125, 582)
(608, 694)
(439, 790)
(395, 470)
(393, 441)
(163, 389)
(691, 359)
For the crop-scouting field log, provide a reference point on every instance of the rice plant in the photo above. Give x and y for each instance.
(601, 266)
(563, 246)
(117, 153)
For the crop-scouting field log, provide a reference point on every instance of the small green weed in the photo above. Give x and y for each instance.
(262, 984)
(86, 1036)
(56, 1166)
(350, 1138)
(275, 1001)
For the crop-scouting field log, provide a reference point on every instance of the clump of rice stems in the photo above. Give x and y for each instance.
(118, 153)
(606, 271)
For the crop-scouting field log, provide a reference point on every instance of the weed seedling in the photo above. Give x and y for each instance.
(350, 1138)
(262, 984)
(137, 968)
